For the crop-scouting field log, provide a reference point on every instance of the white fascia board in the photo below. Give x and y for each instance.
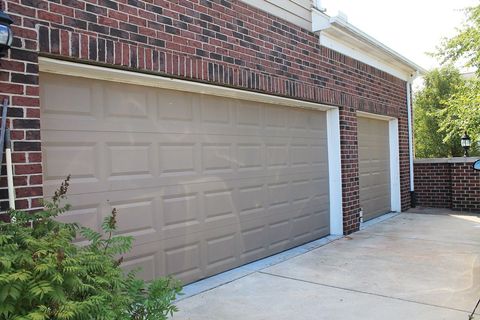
(339, 35)
(63, 67)
(350, 50)
(320, 20)
(383, 49)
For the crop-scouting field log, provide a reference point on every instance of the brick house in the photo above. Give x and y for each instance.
(223, 131)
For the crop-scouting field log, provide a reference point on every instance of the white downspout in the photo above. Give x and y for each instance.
(8, 157)
(410, 140)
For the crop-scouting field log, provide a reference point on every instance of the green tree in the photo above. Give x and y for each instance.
(431, 141)
(462, 114)
(464, 47)
(462, 110)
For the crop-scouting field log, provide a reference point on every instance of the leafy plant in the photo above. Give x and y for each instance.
(44, 275)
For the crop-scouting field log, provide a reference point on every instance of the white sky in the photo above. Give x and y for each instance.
(410, 27)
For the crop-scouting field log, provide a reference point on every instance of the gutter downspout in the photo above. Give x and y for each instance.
(8, 157)
(413, 198)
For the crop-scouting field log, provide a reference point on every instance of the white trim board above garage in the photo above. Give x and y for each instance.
(123, 76)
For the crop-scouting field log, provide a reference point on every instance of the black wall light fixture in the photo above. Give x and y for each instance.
(6, 34)
(466, 142)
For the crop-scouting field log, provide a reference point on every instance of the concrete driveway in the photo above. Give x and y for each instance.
(411, 266)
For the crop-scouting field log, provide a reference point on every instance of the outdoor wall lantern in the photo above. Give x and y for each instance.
(466, 142)
(6, 34)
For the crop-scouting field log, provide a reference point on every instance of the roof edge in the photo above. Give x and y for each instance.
(323, 22)
(347, 27)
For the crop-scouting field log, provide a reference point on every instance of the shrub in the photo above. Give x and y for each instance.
(44, 275)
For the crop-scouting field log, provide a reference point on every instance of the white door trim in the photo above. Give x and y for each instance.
(123, 76)
(334, 172)
(396, 200)
(395, 193)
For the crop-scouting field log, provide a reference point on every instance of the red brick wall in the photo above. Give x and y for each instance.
(447, 183)
(433, 184)
(225, 43)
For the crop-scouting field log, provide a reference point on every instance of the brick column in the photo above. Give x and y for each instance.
(19, 83)
(350, 171)
(465, 187)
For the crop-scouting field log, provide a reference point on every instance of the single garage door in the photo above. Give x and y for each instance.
(374, 167)
(203, 183)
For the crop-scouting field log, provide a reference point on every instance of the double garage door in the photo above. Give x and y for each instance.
(204, 183)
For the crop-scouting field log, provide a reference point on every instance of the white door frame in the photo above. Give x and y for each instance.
(395, 193)
(62, 67)
(334, 171)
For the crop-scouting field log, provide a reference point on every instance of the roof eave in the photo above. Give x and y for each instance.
(333, 26)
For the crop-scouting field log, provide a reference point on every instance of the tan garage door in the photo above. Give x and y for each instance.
(204, 183)
(374, 167)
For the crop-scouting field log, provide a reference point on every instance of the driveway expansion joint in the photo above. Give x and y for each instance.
(361, 292)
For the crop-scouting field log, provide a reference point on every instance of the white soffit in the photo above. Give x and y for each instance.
(339, 35)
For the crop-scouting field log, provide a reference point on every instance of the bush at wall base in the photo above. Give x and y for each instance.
(43, 275)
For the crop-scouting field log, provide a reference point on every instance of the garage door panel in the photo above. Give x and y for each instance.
(87, 214)
(182, 257)
(253, 241)
(145, 260)
(136, 215)
(250, 156)
(222, 249)
(251, 199)
(279, 234)
(178, 158)
(175, 106)
(75, 158)
(203, 183)
(217, 157)
(249, 115)
(135, 102)
(120, 164)
(74, 100)
(183, 262)
(374, 166)
(216, 110)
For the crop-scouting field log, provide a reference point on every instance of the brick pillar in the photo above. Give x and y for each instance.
(404, 154)
(465, 187)
(19, 83)
(350, 171)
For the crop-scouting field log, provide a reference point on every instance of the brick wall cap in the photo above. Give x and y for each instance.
(446, 160)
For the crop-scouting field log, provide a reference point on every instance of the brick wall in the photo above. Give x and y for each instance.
(447, 183)
(433, 184)
(224, 43)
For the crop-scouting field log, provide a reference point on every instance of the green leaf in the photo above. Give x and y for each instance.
(22, 276)
(40, 289)
(6, 309)
(37, 316)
